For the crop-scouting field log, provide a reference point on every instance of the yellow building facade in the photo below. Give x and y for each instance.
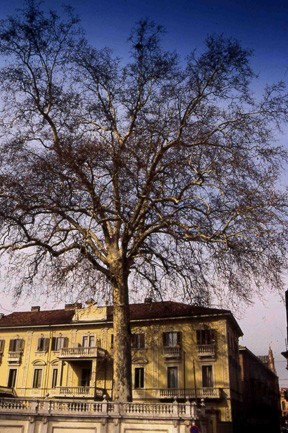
(179, 352)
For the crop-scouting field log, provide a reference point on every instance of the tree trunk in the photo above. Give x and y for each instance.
(122, 383)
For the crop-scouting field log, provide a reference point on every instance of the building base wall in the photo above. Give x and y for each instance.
(51, 424)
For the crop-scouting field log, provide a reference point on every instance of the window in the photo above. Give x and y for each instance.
(43, 344)
(12, 378)
(112, 341)
(205, 336)
(207, 379)
(138, 341)
(139, 378)
(172, 377)
(171, 339)
(16, 345)
(85, 377)
(59, 343)
(54, 377)
(37, 378)
(88, 341)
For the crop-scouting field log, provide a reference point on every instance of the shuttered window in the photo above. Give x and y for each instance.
(59, 343)
(138, 341)
(54, 377)
(12, 378)
(16, 345)
(37, 378)
(139, 378)
(43, 344)
(171, 339)
(88, 341)
(205, 336)
(172, 377)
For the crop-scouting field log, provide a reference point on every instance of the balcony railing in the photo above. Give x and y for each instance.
(153, 411)
(15, 357)
(15, 354)
(172, 351)
(171, 393)
(206, 350)
(84, 391)
(82, 352)
(6, 391)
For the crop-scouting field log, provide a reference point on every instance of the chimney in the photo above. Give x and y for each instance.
(35, 308)
(90, 302)
(73, 306)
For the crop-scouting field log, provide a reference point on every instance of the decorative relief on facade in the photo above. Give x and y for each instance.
(90, 313)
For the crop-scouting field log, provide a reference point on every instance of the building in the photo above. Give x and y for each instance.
(284, 405)
(260, 390)
(178, 351)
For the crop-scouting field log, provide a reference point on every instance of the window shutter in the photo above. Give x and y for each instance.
(142, 340)
(2, 342)
(53, 344)
(46, 344)
(39, 344)
(179, 338)
(20, 344)
(164, 339)
(11, 345)
(65, 342)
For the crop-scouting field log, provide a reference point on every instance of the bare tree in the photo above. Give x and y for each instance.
(150, 170)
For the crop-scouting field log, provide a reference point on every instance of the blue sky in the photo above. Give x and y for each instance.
(261, 25)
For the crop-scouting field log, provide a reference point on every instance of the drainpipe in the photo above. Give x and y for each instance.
(48, 367)
(194, 374)
(184, 372)
(95, 373)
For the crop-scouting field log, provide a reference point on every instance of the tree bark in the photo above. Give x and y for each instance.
(122, 383)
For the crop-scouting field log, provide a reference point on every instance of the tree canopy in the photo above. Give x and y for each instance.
(155, 170)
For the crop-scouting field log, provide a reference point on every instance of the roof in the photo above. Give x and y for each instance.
(144, 311)
(34, 318)
(165, 309)
(259, 361)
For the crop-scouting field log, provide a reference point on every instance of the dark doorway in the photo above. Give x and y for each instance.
(85, 377)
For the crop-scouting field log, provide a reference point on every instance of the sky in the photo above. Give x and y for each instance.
(260, 25)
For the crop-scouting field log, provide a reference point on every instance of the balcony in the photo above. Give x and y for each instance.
(14, 358)
(100, 410)
(74, 353)
(172, 352)
(171, 393)
(80, 391)
(5, 391)
(206, 350)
